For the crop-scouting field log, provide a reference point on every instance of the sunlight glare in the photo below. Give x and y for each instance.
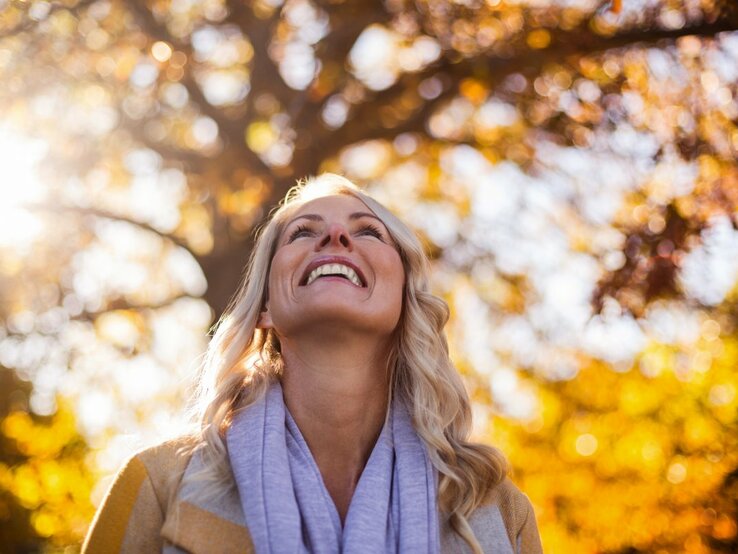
(19, 187)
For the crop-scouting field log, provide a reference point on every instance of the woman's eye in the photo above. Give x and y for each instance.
(371, 230)
(301, 231)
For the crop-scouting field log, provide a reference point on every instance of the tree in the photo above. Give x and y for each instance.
(45, 480)
(531, 145)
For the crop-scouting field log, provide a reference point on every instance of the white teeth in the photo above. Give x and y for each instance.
(334, 269)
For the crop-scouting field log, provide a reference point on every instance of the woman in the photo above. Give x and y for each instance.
(332, 419)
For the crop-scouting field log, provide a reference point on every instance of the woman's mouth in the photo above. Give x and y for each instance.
(337, 266)
(335, 270)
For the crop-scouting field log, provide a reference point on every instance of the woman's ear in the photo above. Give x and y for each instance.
(265, 319)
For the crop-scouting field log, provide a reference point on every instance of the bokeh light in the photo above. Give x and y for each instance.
(569, 166)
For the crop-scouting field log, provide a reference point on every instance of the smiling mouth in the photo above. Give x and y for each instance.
(334, 270)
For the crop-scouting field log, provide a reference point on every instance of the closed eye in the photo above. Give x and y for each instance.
(305, 231)
(301, 231)
(370, 229)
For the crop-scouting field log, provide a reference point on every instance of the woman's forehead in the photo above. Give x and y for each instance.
(332, 203)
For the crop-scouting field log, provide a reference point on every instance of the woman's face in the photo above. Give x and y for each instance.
(335, 265)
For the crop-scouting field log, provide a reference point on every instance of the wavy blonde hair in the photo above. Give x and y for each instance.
(241, 360)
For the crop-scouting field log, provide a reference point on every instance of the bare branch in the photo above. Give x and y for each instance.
(194, 159)
(347, 22)
(364, 118)
(112, 216)
(584, 41)
(265, 76)
(123, 304)
(232, 131)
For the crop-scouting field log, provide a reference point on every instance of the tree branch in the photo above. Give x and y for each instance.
(346, 25)
(364, 117)
(265, 76)
(232, 131)
(29, 24)
(112, 216)
(582, 41)
(122, 304)
(191, 157)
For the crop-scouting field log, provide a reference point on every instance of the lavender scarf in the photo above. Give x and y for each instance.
(289, 510)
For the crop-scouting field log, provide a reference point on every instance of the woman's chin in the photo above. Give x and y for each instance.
(341, 319)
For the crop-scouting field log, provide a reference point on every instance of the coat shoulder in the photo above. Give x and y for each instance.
(517, 514)
(165, 464)
(130, 516)
(513, 503)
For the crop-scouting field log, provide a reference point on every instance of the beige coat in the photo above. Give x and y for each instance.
(146, 511)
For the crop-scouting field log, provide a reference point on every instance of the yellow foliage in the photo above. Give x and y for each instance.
(612, 460)
(53, 481)
(195, 227)
(36, 440)
(260, 135)
(630, 459)
(538, 39)
(640, 397)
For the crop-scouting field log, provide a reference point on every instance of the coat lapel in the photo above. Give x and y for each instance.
(199, 531)
(202, 524)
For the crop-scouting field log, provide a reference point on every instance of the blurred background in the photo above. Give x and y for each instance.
(569, 164)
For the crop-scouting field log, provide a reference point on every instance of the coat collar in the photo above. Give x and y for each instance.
(200, 531)
(203, 524)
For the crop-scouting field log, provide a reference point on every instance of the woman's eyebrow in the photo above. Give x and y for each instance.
(311, 217)
(357, 215)
(316, 217)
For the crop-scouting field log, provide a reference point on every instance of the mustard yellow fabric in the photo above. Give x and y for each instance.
(131, 516)
(142, 513)
(196, 528)
(520, 521)
(109, 525)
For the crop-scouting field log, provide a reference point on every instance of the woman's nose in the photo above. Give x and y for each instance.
(336, 235)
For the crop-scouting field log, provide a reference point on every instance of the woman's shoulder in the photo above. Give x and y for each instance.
(509, 498)
(131, 514)
(165, 459)
(508, 503)
(160, 465)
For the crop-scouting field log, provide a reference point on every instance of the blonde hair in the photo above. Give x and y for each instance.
(241, 360)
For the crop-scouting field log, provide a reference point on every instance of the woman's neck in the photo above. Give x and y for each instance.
(338, 398)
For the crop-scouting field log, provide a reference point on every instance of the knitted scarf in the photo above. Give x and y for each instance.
(288, 509)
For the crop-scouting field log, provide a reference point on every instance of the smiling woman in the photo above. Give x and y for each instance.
(310, 282)
(331, 418)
